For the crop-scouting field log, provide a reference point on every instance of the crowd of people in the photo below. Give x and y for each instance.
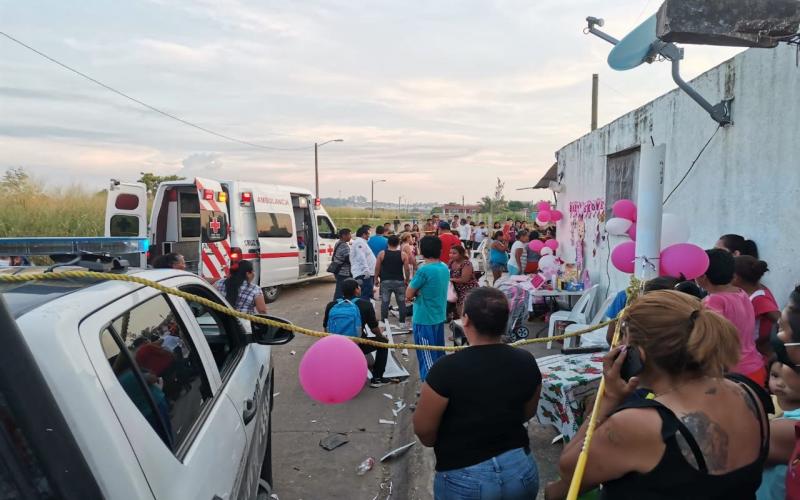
(688, 416)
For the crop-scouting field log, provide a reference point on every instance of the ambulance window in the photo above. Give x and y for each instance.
(190, 227)
(325, 227)
(148, 345)
(273, 225)
(190, 203)
(124, 225)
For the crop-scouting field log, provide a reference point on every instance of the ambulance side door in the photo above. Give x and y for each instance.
(126, 214)
(276, 238)
(327, 240)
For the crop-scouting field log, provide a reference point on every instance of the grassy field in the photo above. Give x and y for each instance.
(74, 212)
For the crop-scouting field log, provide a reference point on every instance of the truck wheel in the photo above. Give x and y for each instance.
(270, 293)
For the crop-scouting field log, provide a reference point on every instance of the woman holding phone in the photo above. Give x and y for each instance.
(701, 436)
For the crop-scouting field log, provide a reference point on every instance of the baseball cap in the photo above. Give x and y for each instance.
(444, 225)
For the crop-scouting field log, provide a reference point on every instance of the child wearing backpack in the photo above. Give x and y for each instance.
(348, 316)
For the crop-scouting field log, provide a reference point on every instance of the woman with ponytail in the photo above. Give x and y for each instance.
(737, 245)
(749, 272)
(240, 291)
(701, 436)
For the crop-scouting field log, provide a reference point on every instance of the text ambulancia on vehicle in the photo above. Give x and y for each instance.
(112, 389)
(283, 231)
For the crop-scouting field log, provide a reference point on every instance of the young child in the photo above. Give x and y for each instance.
(784, 384)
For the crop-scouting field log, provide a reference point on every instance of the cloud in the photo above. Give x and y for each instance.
(201, 163)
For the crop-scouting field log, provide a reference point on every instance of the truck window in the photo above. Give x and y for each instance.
(220, 330)
(149, 345)
(274, 225)
(325, 227)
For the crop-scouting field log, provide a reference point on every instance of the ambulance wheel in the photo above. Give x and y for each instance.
(271, 293)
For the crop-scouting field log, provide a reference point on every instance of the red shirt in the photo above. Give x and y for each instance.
(763, 303)
(449, 240)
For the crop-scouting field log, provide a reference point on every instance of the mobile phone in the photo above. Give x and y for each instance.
(632, 365)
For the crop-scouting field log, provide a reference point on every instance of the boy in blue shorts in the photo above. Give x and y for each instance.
(428, 291)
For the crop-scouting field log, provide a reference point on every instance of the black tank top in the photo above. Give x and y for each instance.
(392, 266)
(674, 477)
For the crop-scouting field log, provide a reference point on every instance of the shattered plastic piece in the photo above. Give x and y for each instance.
(400, 406)
(276, 394)
(388, 395)
(398, 452)
(333, 441)
(384, 421)
(365, 466)
(274, 497)
(292, 352)
(313, 421)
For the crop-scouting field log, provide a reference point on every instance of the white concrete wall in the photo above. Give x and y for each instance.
(747, 181)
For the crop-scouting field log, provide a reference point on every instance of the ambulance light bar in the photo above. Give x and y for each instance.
(73, 245)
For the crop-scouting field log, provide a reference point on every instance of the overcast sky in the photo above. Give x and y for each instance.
(437, 97)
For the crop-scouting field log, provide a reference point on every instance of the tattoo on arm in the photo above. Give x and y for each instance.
(711, 438)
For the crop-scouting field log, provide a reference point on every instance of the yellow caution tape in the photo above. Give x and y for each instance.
(6, 278)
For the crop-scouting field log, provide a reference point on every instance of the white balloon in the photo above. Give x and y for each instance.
(546, 251)
(673, 230)
(548, 265)
(618, 226)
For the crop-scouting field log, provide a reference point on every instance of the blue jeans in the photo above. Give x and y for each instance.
(428, 335)
(366, 283)
(398, 288)
(512, 475)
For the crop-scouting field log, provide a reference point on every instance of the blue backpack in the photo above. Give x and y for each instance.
(344, 318)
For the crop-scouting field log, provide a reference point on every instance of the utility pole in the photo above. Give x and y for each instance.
(595, 81)
(373, 195)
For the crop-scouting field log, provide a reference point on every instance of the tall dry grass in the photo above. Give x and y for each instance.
(66, 212)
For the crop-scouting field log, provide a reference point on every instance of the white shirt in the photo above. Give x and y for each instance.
(362, 260)
(464, 231)
(480, 234)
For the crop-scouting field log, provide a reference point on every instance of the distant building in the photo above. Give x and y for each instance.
(463, 210)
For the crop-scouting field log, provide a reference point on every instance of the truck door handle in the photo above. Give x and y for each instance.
(249, 411)
(292, 246)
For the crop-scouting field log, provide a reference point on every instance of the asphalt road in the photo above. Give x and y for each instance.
(304, 470)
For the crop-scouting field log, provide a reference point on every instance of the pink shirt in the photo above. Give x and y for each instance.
(736, 308)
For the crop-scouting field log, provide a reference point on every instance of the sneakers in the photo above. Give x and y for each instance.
(379, 382)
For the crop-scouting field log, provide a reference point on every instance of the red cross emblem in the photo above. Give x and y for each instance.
(215, 225)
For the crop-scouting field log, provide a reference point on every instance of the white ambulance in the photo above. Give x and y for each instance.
(282, 230)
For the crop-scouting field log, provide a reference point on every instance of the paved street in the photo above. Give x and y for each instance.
(303, 470)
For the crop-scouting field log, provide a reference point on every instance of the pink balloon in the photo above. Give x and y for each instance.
(551, 244)
(624, 209)
(556, 215)
(536, 245)
(684, 259)
(543, 206)
(333, 370)
(632, 231)
(623, 255)
(544, 216)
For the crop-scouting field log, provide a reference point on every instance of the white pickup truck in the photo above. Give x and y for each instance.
(111, 389)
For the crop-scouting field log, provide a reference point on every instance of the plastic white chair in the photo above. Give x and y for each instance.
(578, 314)
(595, 338)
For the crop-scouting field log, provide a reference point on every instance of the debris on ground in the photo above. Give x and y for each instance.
(398, 452)
(384, 421)
(365, 466)
(292, 352)
(333, 441)
(399, 406)
(274, 395)
(388, 395)
(362, 429)
(383, 488)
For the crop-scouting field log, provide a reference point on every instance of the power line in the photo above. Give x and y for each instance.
(692, 165)
(148, 106)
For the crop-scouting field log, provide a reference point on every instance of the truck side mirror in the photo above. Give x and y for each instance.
(271, 335)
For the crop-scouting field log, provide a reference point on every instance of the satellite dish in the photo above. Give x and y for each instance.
(635, 48)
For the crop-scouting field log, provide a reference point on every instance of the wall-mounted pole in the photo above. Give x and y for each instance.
(649, 211)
